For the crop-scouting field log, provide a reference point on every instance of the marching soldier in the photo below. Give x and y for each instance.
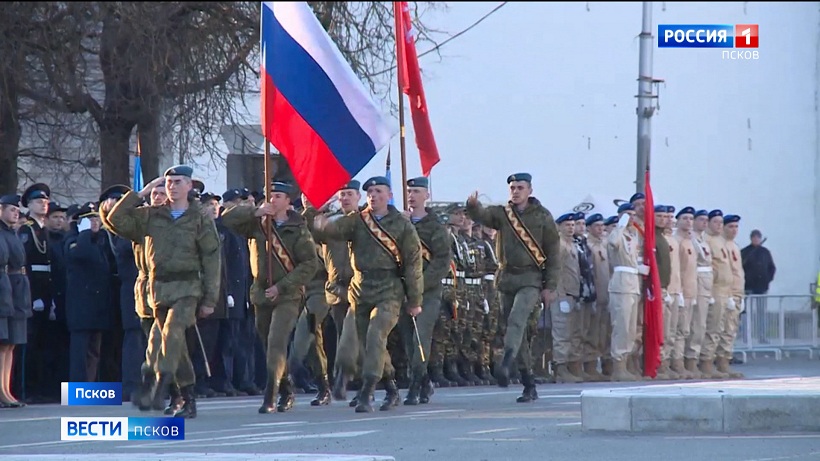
(565, 311)
(278, 290)
(457, 293)
(476, 306)
(417, 332)
(182, 249)
(686, 368)
(731, 318)
(528, 252)
(600, 265)
(386, 256)
(484, 246)
(16, 307)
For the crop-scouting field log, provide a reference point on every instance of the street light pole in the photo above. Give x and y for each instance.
(645, 96)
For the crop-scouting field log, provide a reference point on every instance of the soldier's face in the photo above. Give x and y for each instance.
(211, 208)
(660, 220)
(520, 191)
(456, 219)
(685, 221)
(417, 197)
(38, 206)
(700, 223)
(596, 229)
(10, 214)
(716, 224)
(349, 199)
(177, 187)
(580, 227)
(639, 205)
(730, 230)
(249, 201)
(378, 196)
(158, 196)
(490, 233)
(95, 223)
(280, 201)
(467, 224)
(568, 228)
(608, 229)
(56, 221)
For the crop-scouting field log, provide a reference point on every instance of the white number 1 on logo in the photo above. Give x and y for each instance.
(748, 34)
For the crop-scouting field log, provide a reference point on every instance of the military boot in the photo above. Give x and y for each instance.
(692, 367)
(530, 393)
(391, 396)
(606, 367)
(575, 369)
(340, 386)
(366, 396)
(427, 390)
(503, 372)
(413, 391)
(669, 371)
(188, 409)
(269, 396)
(487, 376)
(438, 376)
(590, 372)
(678, 367)
(515, 376)
(619, 372)
(175, 404)
(160, 391)
(323, 397)
(286, 395)
(451, 373)
(142, 395)
(663, 372)
(723, 367)
(466, 370)
(563, 375)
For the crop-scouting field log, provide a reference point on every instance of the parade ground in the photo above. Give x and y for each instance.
(468, 423)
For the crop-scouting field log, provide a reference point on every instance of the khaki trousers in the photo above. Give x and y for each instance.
(623, 311)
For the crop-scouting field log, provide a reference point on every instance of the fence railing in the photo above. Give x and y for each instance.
(778, 325)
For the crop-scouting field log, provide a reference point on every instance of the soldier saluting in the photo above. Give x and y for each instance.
(387, 263)
(527, 249)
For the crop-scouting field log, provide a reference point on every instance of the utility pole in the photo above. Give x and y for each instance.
(646, 97)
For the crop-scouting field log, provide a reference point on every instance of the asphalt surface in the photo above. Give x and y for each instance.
(468, 423)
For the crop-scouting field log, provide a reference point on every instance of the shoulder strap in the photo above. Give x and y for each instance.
(381, 236)
(280, 251)
(525, 237)
(425, 251)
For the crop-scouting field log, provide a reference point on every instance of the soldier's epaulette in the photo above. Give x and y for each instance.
(30, 222)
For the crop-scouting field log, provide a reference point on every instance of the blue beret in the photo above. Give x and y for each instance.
(579, 216)
(282, 187)
(232, 194)
(715, 213)
(594, 218)
(730, 218)
(701, 213)
(10, 200)
(519, 177)
(208, 196)
(54, 207)
(626, 207)
(419, 182)
(375, 181)
(34, 192)
(565, 217)
(353, 184)
(115, 192)
(660, 208)
(611, 220)
(670, 209)
(637, 196)
(198, 185)
(685, 210)
(179, 170)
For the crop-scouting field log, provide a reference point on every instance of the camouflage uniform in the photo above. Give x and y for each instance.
(380, 284)
(183, 261)
(477, 308)
(276, 319)
(458, 330)
(520, 279)
(436, 257)
(490, 325)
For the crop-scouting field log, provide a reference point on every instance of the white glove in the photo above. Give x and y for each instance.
(668, 299)
(742, 306)
(711, 301)
(84, 224)
(38, 305)
(468, 305)
(732, 304)
(681, 302)
(486, 307)
(230, 301)
(565, 307)
(643, 269)
(623, 220)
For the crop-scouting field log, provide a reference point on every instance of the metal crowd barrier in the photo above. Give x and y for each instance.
(778, 325)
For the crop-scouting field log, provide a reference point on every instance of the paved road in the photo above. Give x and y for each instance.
(474, 423)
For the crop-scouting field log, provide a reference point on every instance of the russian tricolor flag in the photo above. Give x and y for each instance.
(315, 110)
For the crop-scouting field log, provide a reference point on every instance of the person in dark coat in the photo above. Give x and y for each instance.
(759, 270)
(90, 300)
(15, 296)
(57, 358)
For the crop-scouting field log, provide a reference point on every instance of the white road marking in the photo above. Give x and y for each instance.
(432, 412)
(201, 456)
(283, 423)
(569, 424)
(476, 439)
(263, 438)
(22, 420)
(213, 439)
(493, 431)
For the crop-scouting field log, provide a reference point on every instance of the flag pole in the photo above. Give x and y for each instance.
(268, 192)
(645, 96)
(396, 13)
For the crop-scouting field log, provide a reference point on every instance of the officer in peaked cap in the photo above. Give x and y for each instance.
(57, 221)
(10, 199)
(231, 197)
(33, 192)
(114, 192)
(198, 185)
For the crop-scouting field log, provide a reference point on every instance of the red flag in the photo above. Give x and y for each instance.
(410, 83)
(653, 307)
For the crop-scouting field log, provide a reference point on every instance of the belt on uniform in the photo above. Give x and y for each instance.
(41, 267)
(472, 281)
(704, 269)
(21, 271)
(489, 277)
(447, 281)
(460, 274)
(177, 277)
(628, 269)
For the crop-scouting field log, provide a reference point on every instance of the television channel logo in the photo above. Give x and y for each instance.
(121, 428)
(90, 394)
(708, 36)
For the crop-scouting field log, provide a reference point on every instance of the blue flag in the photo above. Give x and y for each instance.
(138, 182)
